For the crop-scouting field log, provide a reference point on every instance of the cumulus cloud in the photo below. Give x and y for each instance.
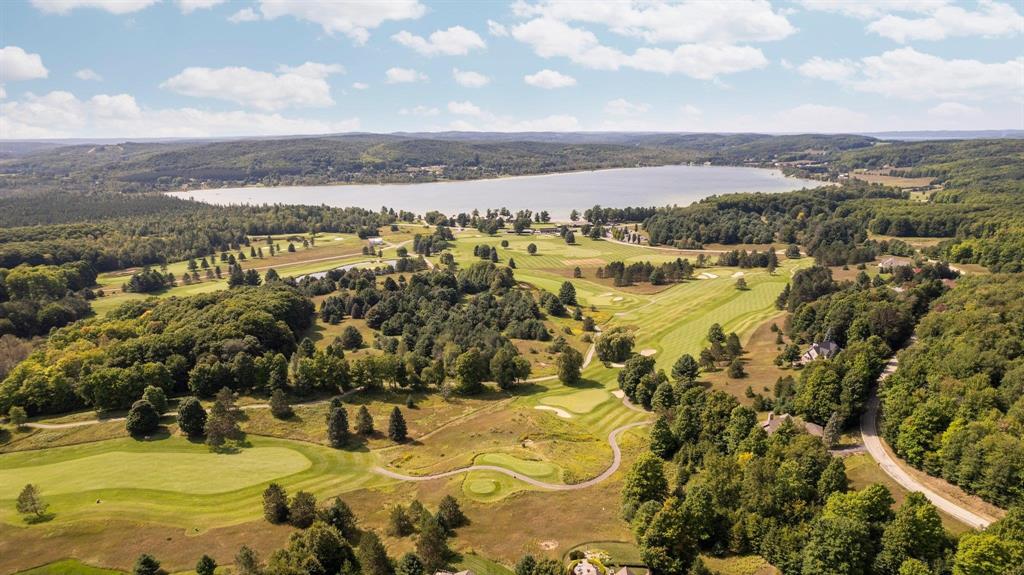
(60, 114)
(112, 6)
(421, 111)
(455, 41)
(469, 78)
(360, 85)
(304, 85)
(353, 18)
(906, 20)
(244, 15)
(553, 38)
(496, 29)
(189, 6)
(549, 79)
(466, 108)
(953, 110)
(16, 64)
(88, 75)
(657, 21)
(831, 70)
(908, 74)
(404, 76)
(623, 107)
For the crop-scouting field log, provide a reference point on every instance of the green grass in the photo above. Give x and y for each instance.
(68, 567)
(481, 566)
(583, 401)
(202, 489)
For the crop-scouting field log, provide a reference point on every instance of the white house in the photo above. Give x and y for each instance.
(825, 349)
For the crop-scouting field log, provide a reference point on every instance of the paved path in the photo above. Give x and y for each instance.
(616, 462)
(876, 448)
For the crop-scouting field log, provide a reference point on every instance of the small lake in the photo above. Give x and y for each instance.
(559, 194)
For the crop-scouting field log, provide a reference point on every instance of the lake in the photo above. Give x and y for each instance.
(557, 193)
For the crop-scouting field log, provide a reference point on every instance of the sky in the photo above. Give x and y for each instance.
(217, 68)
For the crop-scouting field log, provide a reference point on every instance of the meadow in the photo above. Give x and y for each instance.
(183, 499)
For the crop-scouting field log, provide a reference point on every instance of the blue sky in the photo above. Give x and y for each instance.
(161, 68)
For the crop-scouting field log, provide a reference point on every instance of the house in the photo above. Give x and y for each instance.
(825, 349)
(772, 424)
(466, 572)
(894, 262)
(375, 240)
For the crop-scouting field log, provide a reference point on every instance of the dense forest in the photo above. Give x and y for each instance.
(955, 407)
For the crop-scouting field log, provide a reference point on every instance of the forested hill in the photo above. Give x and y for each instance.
(377, 158)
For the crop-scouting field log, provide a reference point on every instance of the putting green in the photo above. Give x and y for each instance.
(201, 473)
(543, 470)
(482, 487)
(578, 402)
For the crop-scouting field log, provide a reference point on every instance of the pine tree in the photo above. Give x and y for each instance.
(410, 564)
(663, 443)
(526, 565)
(567, 294)
(685, 369)
(364, 421)
(339, 515)
(337, 426)
(31, 503)
(247, 561)
(275, 504)
(302, 509)
(279, 407)
(146, 564)
(399, 523)
(372, 557)
(432, 546)
(206, 565)
(833, 429)
(397, 431)
(449, 514)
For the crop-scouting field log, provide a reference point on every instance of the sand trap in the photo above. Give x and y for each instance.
(617, 298)
(737, 275)
(707, 276)
(648, 352)
(606, 294)
(548, 545)
(618, 365)
(619, 393)
(558, 411)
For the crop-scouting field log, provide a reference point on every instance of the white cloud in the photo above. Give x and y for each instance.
(353, 18)
(455, 41)
(16, 64)
(690, 111)
(552, 38)
(496, 29)
(549, 79)
(189, 6)
(816, 118)
(466, 108)
(908, 74)
(930, 19)
(991, 21)
(304, 85)
(404, 76)
(244, 15)
(112, 6)
(552, 123)
(421, 111)
(623, 107)
(360, 85)
(831, 70)
(658, 21)
(469, 78)
(61, 115)
(953, 110)
(88, 75)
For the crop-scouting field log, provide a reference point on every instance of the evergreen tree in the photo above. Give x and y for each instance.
(146, 564)
(247, 561)
(337, 426)
(736, 369)
(833, 429)
(399, 523)
(279, 407)
(351, 338)
(526, 565)
(302, 509)
(31, 503)
(373, 558)
(364, 421)
(449, 514)
(644, 482)
(397, 431)
(206, 565)
(569, 364)
(275, 504)
(567, 294)
(685, 369)
(663, 443)
(833, 479)
(432, 546)
(339, 515)
(410, 564)
(191, 417)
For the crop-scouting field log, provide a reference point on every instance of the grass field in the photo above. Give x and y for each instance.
(102, 482)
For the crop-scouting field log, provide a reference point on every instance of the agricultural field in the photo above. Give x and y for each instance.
(535, 444)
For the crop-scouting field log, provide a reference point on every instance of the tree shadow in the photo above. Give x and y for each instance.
(42, 518)
(5, 435)
(586, 384)
(160, 434)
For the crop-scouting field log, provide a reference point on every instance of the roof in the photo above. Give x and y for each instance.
(625, 571)
(895, 261)
(465, 572)
(824, 349)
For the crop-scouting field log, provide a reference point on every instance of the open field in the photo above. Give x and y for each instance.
(495, 428)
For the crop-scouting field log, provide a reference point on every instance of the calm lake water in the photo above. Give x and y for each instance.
(557, 193)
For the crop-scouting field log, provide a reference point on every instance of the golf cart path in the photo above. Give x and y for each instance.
(876, 448)
(616, 463)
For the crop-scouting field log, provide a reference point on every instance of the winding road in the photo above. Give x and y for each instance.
(616, 463)
(875, 447)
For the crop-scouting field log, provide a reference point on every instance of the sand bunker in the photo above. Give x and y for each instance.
(648, 352)
(558, 411)
(619, 393)
(617, 298)
(707, 276)
(548, 545)
(606, 294)
(617, 365)
(737, 275)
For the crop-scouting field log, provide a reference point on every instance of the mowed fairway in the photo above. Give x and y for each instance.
(173, 481)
